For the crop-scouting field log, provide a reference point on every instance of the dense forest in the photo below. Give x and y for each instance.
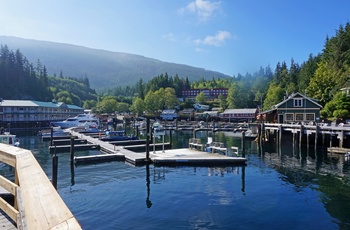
(21, 80)
(321, 77)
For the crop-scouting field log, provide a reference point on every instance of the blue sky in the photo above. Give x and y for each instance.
(228, 36)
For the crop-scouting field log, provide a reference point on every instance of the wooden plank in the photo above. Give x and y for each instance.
(44, 208)
(6, 222)
(8, 185)
(5, 155)
(21, 218)
(8, 209)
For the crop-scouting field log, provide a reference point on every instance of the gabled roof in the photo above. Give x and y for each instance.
(294, 95)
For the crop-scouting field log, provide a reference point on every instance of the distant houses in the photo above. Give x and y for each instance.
(191, 94)
(168, 115)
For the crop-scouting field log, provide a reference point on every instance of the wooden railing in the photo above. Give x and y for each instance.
(37, 205)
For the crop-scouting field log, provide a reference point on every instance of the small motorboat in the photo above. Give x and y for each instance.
(158, 129)
(56, 132)
(9, 139)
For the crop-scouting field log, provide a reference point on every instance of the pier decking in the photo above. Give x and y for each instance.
(170, 156)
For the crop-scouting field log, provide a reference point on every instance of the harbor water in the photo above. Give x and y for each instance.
(280, 188)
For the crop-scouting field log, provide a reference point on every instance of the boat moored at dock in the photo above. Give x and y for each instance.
(10, 139)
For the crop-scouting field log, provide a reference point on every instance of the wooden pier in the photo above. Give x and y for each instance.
(317, 133)
(157, 156)
(37, 205)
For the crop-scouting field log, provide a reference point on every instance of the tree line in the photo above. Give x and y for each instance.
(321, 77)
(21, 80)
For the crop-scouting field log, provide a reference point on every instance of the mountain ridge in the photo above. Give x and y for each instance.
(103, 68)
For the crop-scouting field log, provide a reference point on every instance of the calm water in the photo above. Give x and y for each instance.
(292, 189)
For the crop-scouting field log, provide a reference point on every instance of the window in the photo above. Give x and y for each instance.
(289, 117)
(310, 116)
(298, 102)
(299, 117)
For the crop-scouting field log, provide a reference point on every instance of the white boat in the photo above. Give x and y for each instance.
(10, 139)
(79, 120)
(158, 129)
(56, 132)
(201, 107)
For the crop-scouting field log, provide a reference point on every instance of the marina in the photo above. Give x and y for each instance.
(117, 187)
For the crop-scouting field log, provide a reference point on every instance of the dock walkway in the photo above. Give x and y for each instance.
(107, 147)
(172, 156)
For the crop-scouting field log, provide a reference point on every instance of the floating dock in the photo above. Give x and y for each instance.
(160, 157)
(193, 157)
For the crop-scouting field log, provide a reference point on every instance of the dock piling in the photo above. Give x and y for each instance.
(147, 139)
(71, 149)
(243, 144)
(54, 170)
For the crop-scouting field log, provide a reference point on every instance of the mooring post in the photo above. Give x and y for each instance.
(330, 140)
(280, 135)
(243, 144)
(54, 169)
(316, 135)
(171, 138)
(323, 139)
(293, 139)
(301, 134)
(341, 138)
(51, 136)
(71, 149)
(147, 139)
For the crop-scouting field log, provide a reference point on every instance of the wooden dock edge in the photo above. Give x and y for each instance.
(38, 204)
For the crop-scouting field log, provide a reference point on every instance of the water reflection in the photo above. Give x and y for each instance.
(304, 176)
(148, 186)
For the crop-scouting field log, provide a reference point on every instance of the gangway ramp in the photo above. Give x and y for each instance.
(130, 156)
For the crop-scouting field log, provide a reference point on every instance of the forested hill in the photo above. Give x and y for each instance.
(102, 68)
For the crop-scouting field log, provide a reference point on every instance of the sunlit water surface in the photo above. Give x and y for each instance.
(290, 190)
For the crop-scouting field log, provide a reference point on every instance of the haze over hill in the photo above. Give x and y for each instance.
(102, 68)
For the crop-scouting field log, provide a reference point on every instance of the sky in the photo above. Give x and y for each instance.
(228, 36)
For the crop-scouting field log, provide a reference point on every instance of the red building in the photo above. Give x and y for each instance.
(209, 93)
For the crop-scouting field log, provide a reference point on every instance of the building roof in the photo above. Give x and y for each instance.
(240, 111)
(275, 107)
(27, 103)
(297, 95)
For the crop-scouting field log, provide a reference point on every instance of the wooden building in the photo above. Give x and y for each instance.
(297, 108)
(239, 114)
(26, 114)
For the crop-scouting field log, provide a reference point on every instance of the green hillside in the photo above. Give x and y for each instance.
(104, 69)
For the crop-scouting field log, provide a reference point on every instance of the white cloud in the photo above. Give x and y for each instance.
(202, 8)
(169, 37)
(215, 40)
